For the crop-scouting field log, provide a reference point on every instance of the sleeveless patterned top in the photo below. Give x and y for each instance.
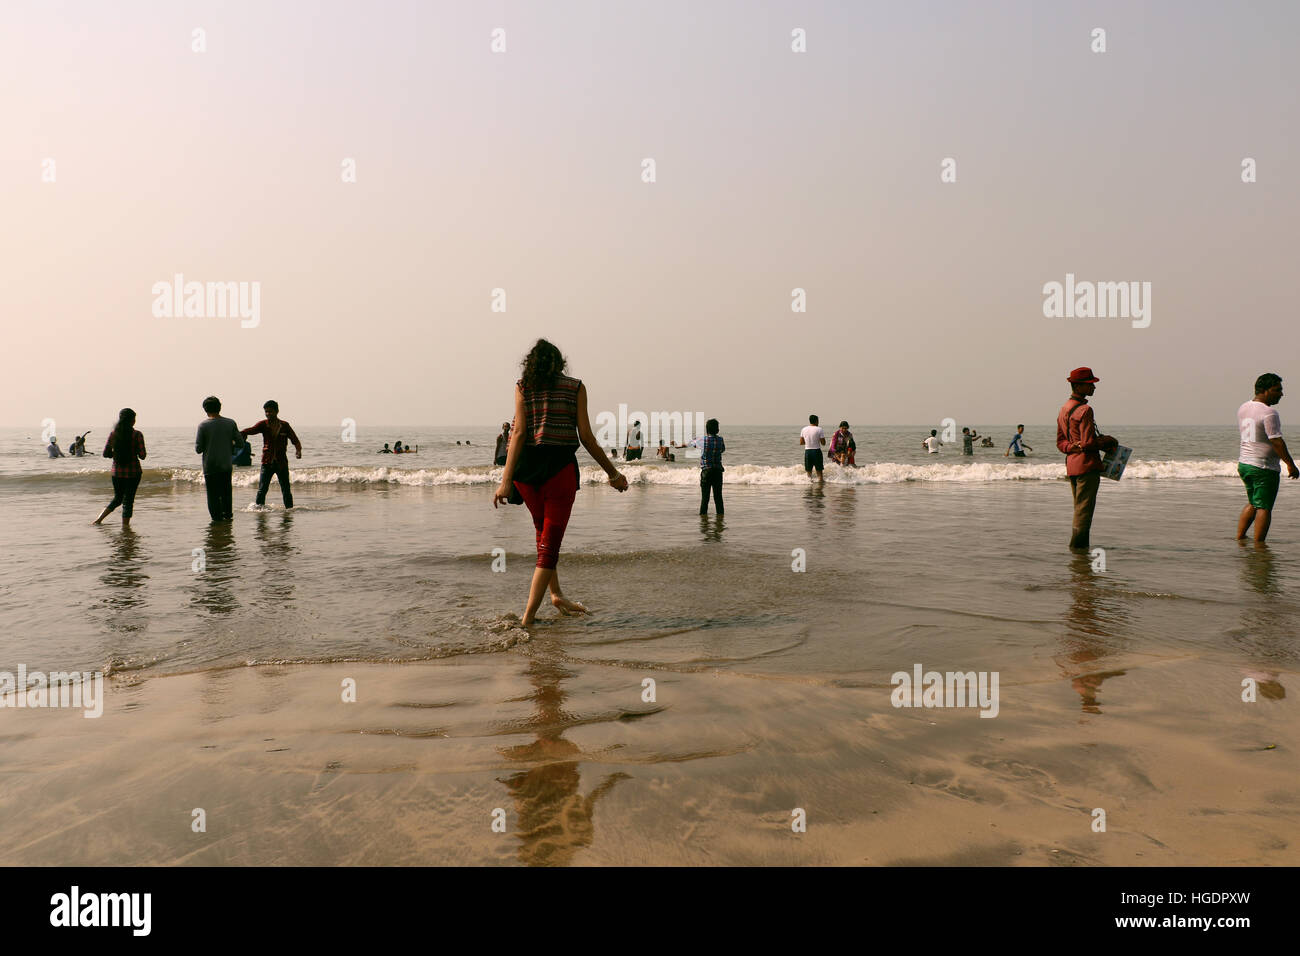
(552, 413)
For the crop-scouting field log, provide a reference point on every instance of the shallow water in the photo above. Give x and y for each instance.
(929, 566)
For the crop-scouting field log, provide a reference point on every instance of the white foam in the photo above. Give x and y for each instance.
(877, 473)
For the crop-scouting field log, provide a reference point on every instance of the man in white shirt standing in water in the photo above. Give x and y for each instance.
(933, 442)
(1262, 451)
(632, 450)
(812, 438)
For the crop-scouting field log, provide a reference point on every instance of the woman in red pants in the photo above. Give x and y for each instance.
(550, 422)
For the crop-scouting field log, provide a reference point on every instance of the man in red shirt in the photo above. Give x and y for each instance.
(1078, 439)
(276, 435)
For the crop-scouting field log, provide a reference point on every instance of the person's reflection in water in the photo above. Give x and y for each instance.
(276, 543)
(711, 527)
(125, 579)
(1094, 627)
(555, 819)
(815, 496)
(1265, 621)
(218, 570)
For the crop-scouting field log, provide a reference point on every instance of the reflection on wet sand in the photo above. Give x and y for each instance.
(1094, 624)
(220, 560)
(555, 819)
(1265, 621)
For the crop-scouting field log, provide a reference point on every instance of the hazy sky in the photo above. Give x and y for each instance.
(522, 170)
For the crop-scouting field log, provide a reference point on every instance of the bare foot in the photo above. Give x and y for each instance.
(567, 606)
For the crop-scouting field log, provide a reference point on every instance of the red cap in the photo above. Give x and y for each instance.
(1082, 374)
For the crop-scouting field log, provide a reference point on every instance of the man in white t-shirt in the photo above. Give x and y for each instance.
(633, 449)
(1262, 452)
(932, 443)
(812, 438)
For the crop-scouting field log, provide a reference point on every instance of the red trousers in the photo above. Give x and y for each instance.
(550, 504)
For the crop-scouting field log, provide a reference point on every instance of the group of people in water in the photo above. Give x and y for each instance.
(399, 449)
(222, 444)
(537, 454)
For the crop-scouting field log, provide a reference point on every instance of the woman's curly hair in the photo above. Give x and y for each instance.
(542, 365)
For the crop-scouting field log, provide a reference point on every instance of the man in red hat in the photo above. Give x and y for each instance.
(1078, 439)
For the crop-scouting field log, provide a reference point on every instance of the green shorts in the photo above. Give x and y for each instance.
(1261, 485)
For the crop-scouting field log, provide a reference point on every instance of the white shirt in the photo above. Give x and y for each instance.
(634, 438)
(932, 444)
(1257, 423)
(813, 436)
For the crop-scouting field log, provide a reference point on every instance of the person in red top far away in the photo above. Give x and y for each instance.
(1078, 439)
(276, 435)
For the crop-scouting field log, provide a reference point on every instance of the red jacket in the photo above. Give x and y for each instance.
(1076, 437)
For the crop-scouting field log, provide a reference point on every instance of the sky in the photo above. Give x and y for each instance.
(522, 170)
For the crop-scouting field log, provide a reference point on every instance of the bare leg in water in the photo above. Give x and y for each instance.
(1261, 517)
(544, 578)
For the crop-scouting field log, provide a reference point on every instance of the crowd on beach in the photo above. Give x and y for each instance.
(536, 452)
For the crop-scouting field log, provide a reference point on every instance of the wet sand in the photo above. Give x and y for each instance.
(587, 773)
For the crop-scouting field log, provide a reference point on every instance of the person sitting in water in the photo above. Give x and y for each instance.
(843, 448)
(662, 450)
(385, 450)
(397, 447)
(988, 442)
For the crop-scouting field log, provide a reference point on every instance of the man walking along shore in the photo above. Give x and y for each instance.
(1078, 439)
(1263, 449)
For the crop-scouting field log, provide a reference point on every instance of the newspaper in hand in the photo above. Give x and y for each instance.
(1112, 466)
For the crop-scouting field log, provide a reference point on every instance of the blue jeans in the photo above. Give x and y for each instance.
(281, 471)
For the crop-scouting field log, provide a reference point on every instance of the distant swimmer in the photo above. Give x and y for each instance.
(987, 442)
(503, 446)
(125, 446)
(632, 447)
(385, 450)
(53, 448)
(968, 436)
(711, 448)
(551, 420)
(843, 449)
(1263, 449)
(812, 438)
(398, 449)
(1018, 444)
(276, 435)
(933, 442)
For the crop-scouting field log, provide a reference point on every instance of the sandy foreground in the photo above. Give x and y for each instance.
(581, 770)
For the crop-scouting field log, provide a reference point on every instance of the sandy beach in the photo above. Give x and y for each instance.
(587, 773)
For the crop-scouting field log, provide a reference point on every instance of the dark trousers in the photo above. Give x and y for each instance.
(1084, 488)
(124, 493)
(710, 480)
(281, 471)
(220, 500)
